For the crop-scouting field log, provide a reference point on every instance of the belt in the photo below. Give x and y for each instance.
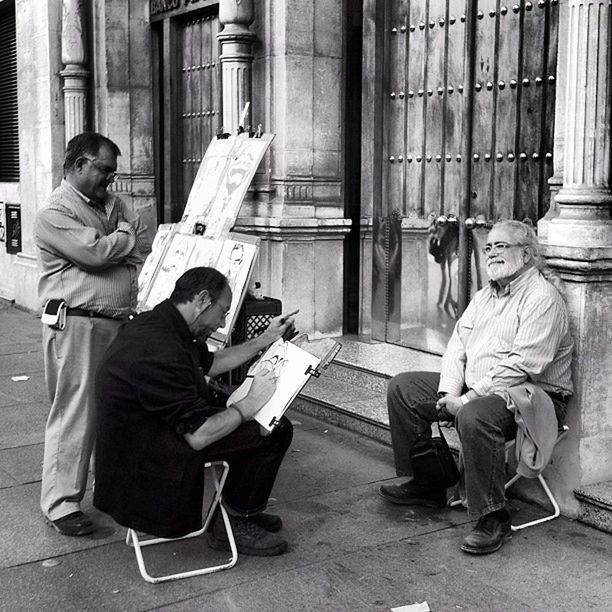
(81, 312)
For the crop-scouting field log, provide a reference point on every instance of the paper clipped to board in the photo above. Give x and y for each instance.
(292, 366)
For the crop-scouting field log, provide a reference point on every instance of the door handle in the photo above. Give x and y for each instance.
(450, 218)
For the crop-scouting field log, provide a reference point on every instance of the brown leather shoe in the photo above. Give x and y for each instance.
(251, 539)
(489, 535)
(411, 494)
(74, 524)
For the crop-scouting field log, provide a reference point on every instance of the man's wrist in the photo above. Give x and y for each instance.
(464, 399)
(235, 407)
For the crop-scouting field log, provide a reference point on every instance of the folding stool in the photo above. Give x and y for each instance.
(556, 511)
(132, 538)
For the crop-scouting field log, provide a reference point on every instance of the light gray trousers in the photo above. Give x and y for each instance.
(71, 360)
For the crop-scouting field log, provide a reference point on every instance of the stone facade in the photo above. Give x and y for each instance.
(293, 51)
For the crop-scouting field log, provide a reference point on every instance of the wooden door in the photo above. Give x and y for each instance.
(468, 102)
(188, 100)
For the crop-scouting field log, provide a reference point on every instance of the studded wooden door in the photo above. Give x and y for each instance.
(467, 131)
(188, 110)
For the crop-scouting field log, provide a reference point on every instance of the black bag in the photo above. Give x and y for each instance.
(433, 463)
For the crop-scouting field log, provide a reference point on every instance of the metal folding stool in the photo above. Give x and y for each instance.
(133, 539)
(556, 510)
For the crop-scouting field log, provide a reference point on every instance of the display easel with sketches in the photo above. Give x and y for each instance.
(203, 237)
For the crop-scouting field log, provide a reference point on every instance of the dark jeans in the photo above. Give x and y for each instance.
(484, 426)
(254, 461)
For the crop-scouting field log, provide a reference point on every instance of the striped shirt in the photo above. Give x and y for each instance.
(508, 336)
(89, 253)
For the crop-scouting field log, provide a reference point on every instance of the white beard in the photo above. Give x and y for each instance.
(497, 269)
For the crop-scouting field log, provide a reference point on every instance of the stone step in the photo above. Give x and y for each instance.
(354, 399)
(595, 503)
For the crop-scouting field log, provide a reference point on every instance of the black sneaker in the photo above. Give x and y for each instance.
(73, 524)
(489, 535)
(251, 539)
(411, 494)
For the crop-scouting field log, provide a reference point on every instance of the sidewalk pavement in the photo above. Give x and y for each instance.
(349, 550)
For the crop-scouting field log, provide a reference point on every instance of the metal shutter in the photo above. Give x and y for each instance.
(9, 129)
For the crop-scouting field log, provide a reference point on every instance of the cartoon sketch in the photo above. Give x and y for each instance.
(293, 365)
(173, 265)
(235, 261)
(164, 231)
(274, 362)
(207, 181)
(243, 164)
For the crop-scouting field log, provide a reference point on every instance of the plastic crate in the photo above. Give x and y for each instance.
(253, 318)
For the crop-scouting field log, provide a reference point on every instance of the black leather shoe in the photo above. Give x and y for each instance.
(489, 535)
(411, 494)
(269, 522)
(74, 524)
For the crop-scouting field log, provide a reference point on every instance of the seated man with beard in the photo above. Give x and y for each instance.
(513, 335)
(158, 422)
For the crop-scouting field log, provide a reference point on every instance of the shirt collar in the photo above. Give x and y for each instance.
(514, 285)
(83, 197)
(106, 206)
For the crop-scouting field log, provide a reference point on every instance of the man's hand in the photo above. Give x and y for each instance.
(261, 390)
(448, 408)
(278, 326)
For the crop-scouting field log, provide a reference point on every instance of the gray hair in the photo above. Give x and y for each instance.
(526, 236)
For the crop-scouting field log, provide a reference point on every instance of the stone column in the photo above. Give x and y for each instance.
(236, 58)
(585, 198)
(75, 73)
(579, 248)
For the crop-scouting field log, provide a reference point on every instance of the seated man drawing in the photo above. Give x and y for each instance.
(157, 424)
(513, 334)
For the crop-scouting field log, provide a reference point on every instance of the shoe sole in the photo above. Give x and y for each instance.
(83, 531)
(224, 545)
(488, 550)
(413, 501)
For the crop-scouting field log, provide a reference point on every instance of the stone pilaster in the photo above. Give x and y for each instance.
(579, 247)
(236, 59)
(301, 262)
(75, 73)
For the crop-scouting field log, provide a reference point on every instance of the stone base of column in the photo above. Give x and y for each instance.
(582, 225)
(586, 456)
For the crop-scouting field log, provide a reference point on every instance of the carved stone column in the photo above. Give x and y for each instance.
(236, 58)
(75, 73)
(585, 198)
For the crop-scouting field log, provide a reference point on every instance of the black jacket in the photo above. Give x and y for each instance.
(150, 390)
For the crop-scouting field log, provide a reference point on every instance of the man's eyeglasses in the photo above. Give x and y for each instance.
(109, 172)
(498, 247)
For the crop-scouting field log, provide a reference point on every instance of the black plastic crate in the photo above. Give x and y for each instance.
(253, 318)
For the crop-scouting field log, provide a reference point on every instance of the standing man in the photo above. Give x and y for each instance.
(90, 246)
(513, 336)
